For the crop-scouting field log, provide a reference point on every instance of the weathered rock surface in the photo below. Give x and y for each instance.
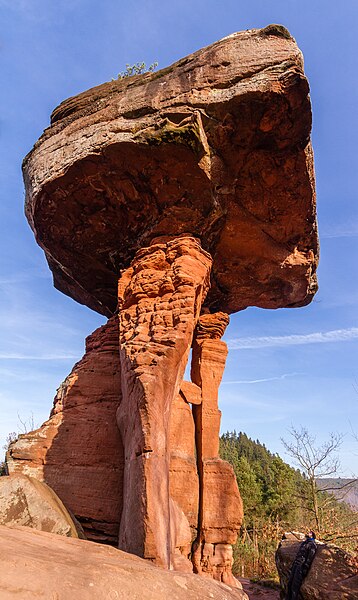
(217, 145)
(220, 506)
(333, 574)
(40, 565)
(78, 452)
(183, 473)
(160, 298)
(167, 488)
(26, 501)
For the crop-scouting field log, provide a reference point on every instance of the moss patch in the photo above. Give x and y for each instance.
(187, 134)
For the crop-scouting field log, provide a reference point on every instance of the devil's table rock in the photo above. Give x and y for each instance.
(174, 198)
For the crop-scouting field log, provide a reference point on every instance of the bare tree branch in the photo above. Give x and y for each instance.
(316, 461)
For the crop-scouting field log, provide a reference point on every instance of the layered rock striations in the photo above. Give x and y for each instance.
(166, 202)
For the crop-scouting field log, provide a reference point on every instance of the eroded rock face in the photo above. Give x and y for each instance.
(220, 505)
(166, 490)
(78, 452)
(333, 574)
(216, 145)
(35, 564)
(160, 299)
(184, 484)
(26, 501)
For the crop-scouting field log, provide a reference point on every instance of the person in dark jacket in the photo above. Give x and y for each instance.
(301, 565)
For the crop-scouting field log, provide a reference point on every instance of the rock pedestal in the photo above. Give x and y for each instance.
(168, 445)
(160, 299)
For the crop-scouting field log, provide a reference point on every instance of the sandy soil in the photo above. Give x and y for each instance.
(258, 592)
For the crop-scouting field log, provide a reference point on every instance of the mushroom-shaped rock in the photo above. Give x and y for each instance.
(176, 197)
(217, 145)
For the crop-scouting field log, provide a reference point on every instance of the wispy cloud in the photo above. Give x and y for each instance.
(13, 356)
(16, 372)
(228, 399)
(343, 231)
(251, 381)
(23, 277)
(24, 322)
(319, 337)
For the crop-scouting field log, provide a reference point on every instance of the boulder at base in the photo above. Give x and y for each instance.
(332, 576)
(29, 502)
(40, 565)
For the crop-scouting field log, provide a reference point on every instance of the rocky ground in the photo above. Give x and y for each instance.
(258, 592)
(37, 564)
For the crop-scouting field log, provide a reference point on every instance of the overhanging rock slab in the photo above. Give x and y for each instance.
(217, 146)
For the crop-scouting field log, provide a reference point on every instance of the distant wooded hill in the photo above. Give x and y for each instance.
(345, 490)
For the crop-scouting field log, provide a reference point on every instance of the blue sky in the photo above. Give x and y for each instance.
(285, 367)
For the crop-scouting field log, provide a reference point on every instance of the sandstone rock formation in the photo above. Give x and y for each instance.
(35, 564)
(220, 507)
(78, 452)
(174, 199)
(160, 299)
(333, 574)
(26, 501)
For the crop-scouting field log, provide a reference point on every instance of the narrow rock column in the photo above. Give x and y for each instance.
(207, 368)
(160, 298)
(220, 505)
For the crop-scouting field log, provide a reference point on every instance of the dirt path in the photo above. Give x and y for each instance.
(258, 592)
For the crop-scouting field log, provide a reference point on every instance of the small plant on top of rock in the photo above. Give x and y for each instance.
(138, 68)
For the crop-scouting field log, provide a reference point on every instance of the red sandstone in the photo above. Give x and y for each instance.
(174, 199)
